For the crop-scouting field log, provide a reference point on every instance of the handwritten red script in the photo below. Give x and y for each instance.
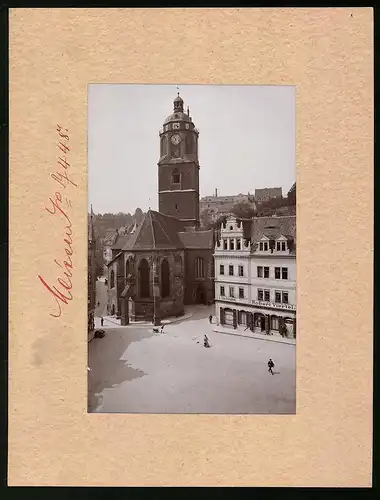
(58, 205)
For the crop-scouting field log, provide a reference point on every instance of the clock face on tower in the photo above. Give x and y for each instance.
(176, 139)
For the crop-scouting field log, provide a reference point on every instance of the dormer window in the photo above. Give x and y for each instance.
(232, 245)
(238, 245)
(265, 246)
(231, 228)
(281, 246)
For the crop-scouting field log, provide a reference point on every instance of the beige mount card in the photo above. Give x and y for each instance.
(54, 55)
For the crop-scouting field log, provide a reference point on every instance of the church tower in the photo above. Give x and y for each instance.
(178, 167)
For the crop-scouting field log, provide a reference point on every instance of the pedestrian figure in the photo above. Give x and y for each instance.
(210, 318)
(162, 328)
(98, 304)
(206, 343)
(101, 321)
(270, 366)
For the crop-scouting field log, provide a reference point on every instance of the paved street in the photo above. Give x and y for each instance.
(101, 297)
(134, 370)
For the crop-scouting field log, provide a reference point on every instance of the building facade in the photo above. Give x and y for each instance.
(217, 206)
(255, 275)
(267, 194)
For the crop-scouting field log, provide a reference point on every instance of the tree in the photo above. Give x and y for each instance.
(244, 210)
(206, 218)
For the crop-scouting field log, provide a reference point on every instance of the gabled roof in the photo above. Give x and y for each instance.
(273, 227)
(156, 232)
(197, 239)
(120, 241)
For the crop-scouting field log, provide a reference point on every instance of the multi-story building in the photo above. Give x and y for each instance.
(255, 274)
(217, 206)
(267, 194)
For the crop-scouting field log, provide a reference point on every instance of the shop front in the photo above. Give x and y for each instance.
(267, 321)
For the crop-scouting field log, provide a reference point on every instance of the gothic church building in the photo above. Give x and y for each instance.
(166, 262)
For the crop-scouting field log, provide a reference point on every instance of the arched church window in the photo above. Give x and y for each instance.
(176, 177)
(112, 279)
(127, 267)
(144, 284)
(165, 279)
(199, 268)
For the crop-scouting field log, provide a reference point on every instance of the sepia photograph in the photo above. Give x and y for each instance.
(191, 249)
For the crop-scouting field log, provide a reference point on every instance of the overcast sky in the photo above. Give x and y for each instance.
(246, 140)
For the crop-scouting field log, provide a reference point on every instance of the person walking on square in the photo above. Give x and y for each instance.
(206, 343)
(210, 318)
(270, 366)
(101, 321)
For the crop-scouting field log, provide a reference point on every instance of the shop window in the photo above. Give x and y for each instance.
(274, 323)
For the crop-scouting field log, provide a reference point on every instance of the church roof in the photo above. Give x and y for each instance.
(197, 239)
(120, 241)
(155, 232)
